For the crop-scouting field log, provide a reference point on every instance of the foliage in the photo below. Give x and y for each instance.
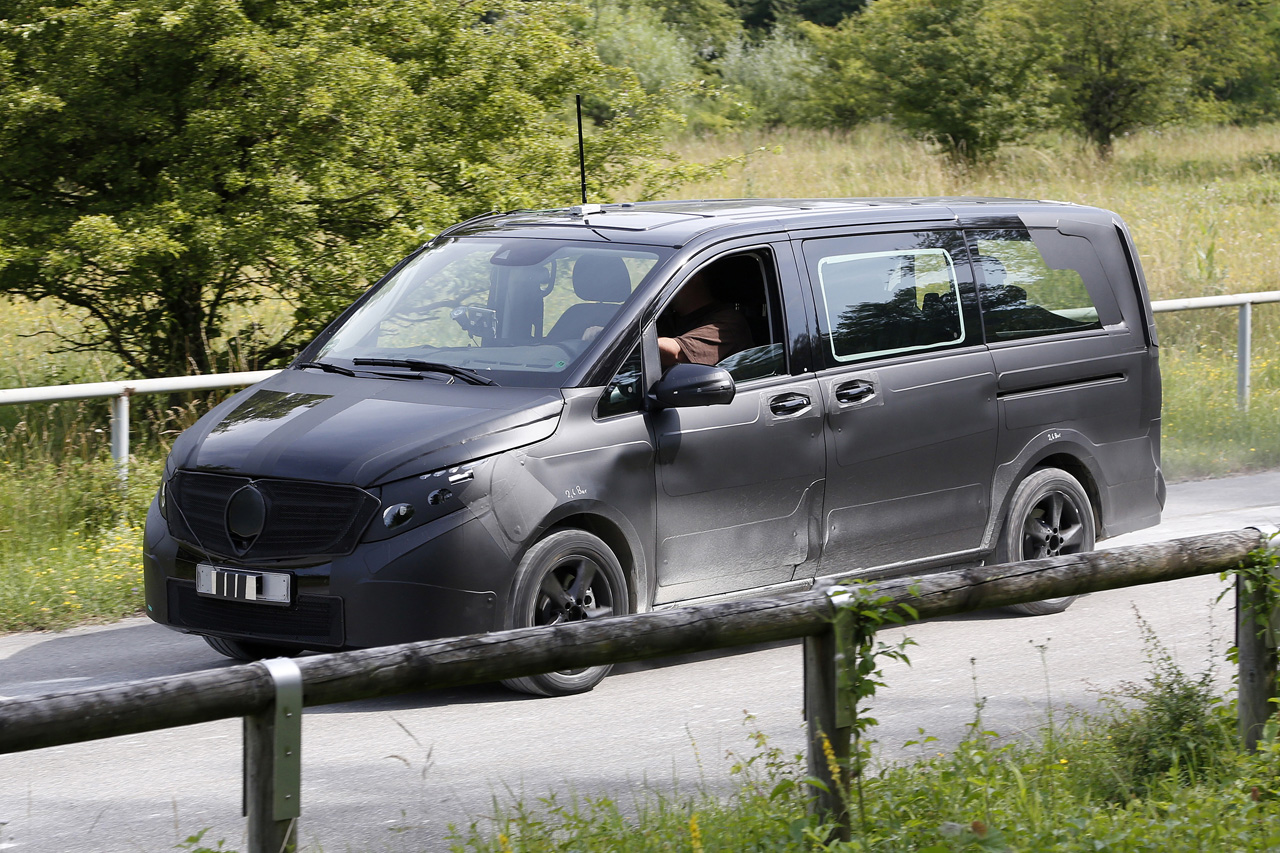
(163, 163)
(859, 614)
(766, 811)
(1259, 583)
(709, 24)
(761, 16)
(1171, 726)
(773, 76)
(1125, 64)
(669, 62)
(965, 74)
(70, 547)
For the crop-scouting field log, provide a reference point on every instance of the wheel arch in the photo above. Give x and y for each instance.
(1071, 457)
(616, 532)
(1082, 474)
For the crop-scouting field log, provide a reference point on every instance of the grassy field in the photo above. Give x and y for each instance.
(1204, 206)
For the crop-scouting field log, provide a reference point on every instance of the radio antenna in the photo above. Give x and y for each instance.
(582, 156)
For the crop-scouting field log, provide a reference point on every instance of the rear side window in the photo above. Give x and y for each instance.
(1021, 296)
(877, 303)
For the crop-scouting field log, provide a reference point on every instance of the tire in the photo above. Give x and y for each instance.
(246, 651)
(569, 576)
(1049, 515)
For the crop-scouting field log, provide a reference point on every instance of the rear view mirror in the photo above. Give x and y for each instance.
(685, 385)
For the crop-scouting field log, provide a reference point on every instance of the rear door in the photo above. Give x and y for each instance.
(909, 391)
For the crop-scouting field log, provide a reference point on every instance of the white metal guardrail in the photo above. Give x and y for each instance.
(120, 392)
(1244, 333)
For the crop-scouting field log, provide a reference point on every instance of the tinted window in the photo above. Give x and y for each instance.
(879, 301)
(1021, 295)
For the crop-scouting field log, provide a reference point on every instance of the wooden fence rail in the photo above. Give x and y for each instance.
(251, 691)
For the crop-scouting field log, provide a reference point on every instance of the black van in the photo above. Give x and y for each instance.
(544, 416)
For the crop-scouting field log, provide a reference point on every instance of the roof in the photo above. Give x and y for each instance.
(675, 223)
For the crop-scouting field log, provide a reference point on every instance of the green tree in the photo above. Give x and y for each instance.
(969, 75)
(172, 166)
(1126, 64)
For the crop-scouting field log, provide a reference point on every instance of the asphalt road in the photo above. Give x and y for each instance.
(392, 775)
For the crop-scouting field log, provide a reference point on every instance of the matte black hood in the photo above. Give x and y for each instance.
(305, 425)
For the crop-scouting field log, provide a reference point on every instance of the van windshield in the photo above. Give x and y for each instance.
(518, 311)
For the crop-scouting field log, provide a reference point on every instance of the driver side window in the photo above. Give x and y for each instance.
(726, 314)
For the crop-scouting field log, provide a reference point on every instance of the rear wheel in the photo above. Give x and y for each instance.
(570, 576)
(242, 650)
(1049, 515)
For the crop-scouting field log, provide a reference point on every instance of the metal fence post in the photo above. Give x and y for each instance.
(273, 764)
(1244, 346)
(120, 435)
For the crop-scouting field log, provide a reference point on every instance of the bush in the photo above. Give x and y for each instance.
(774, 76)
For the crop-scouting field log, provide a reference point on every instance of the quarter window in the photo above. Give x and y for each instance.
(1021, 296)
(623, 394)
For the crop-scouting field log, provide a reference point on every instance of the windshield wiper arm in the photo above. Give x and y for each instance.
(326, 367)
(462, 373)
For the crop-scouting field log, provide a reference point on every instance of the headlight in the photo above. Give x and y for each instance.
(414, 501)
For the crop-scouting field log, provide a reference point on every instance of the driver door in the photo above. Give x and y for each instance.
(739, 486)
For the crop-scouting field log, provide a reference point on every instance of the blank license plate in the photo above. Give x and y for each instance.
(241, 585)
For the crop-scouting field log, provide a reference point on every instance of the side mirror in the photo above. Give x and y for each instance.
(685, 385)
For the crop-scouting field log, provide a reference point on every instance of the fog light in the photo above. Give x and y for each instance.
(397, 515)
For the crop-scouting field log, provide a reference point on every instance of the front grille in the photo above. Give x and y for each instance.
(314, 621)
(302, 519)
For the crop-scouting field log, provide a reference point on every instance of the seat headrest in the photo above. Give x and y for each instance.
(601, 278)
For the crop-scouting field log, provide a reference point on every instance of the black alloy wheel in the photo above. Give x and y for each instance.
(1050, 515)
(570, 576)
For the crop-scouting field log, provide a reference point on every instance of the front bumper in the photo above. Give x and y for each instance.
(446, 578)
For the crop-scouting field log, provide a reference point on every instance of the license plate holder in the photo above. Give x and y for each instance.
(242, 584)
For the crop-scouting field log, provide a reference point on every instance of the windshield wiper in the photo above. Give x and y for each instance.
(326, 367)
(462, 373)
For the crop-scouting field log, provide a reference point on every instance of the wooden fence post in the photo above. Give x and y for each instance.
(828, 752)
(273, 764)
(1257, 664)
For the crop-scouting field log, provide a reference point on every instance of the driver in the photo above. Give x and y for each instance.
(698, 328)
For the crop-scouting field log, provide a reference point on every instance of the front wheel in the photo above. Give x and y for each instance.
(569, 576)
(1049, 515)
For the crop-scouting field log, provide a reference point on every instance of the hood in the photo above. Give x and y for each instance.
(304, 425)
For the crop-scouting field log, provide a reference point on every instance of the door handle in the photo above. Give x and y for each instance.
(857, 391)
(789, 404)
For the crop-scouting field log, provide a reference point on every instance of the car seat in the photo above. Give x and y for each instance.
(603, 283)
